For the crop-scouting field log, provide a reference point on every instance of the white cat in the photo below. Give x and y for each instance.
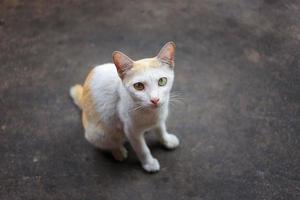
(126, 99)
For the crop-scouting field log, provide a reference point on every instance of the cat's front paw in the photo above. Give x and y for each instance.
(152, 165)
(171, 141)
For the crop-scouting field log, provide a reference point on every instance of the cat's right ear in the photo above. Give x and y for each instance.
(123, 63)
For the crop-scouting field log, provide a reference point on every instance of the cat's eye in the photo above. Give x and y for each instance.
(162, 81)
(138, 86)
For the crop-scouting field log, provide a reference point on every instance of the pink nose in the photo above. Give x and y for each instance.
(155, 101)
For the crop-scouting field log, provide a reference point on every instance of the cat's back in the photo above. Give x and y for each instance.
(105, 85)
(105, 82)
(104, 77)
(100, 92)
(105, 72)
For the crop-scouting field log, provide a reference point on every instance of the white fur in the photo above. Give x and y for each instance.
(127, 113)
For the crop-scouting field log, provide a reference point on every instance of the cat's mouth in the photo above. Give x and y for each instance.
(155, 106)
(150, 106)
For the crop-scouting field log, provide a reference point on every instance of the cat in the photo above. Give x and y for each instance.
(124, 99)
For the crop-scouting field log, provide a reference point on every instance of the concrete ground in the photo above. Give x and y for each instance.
(237, 70)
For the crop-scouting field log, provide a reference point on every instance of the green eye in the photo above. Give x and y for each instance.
(162, 81)
(138, 86)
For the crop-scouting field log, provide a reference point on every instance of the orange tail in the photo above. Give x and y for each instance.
(76, 94)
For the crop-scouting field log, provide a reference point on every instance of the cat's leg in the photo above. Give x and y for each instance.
(138, 143)
(120, 153)
(103, 140)
(116, 138)
(170, 141)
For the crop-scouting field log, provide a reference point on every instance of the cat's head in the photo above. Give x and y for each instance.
(148, 81)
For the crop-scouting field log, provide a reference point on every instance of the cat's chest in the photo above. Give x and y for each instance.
(147, 119)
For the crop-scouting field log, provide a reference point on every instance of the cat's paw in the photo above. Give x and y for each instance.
(152, 165)
(171, 141)
(120, 154)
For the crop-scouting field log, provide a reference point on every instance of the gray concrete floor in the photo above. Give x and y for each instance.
(237, 69)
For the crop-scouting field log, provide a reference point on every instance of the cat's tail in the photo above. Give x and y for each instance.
(76, 94)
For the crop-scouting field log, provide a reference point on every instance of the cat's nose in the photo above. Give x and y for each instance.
(154, 101)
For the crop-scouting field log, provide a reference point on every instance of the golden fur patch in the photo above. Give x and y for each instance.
(144, 64)
(89, 113)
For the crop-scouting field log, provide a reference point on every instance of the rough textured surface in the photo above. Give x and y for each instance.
(237, 68)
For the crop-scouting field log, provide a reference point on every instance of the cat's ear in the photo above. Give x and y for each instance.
(123, 63)
(167, 54)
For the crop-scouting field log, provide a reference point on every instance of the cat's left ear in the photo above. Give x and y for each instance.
(123, 63)
(167, 54)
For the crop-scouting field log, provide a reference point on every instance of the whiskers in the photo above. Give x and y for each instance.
(176, 98)
(136, 108)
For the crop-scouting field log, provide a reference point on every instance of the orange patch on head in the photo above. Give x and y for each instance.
(144, 64)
